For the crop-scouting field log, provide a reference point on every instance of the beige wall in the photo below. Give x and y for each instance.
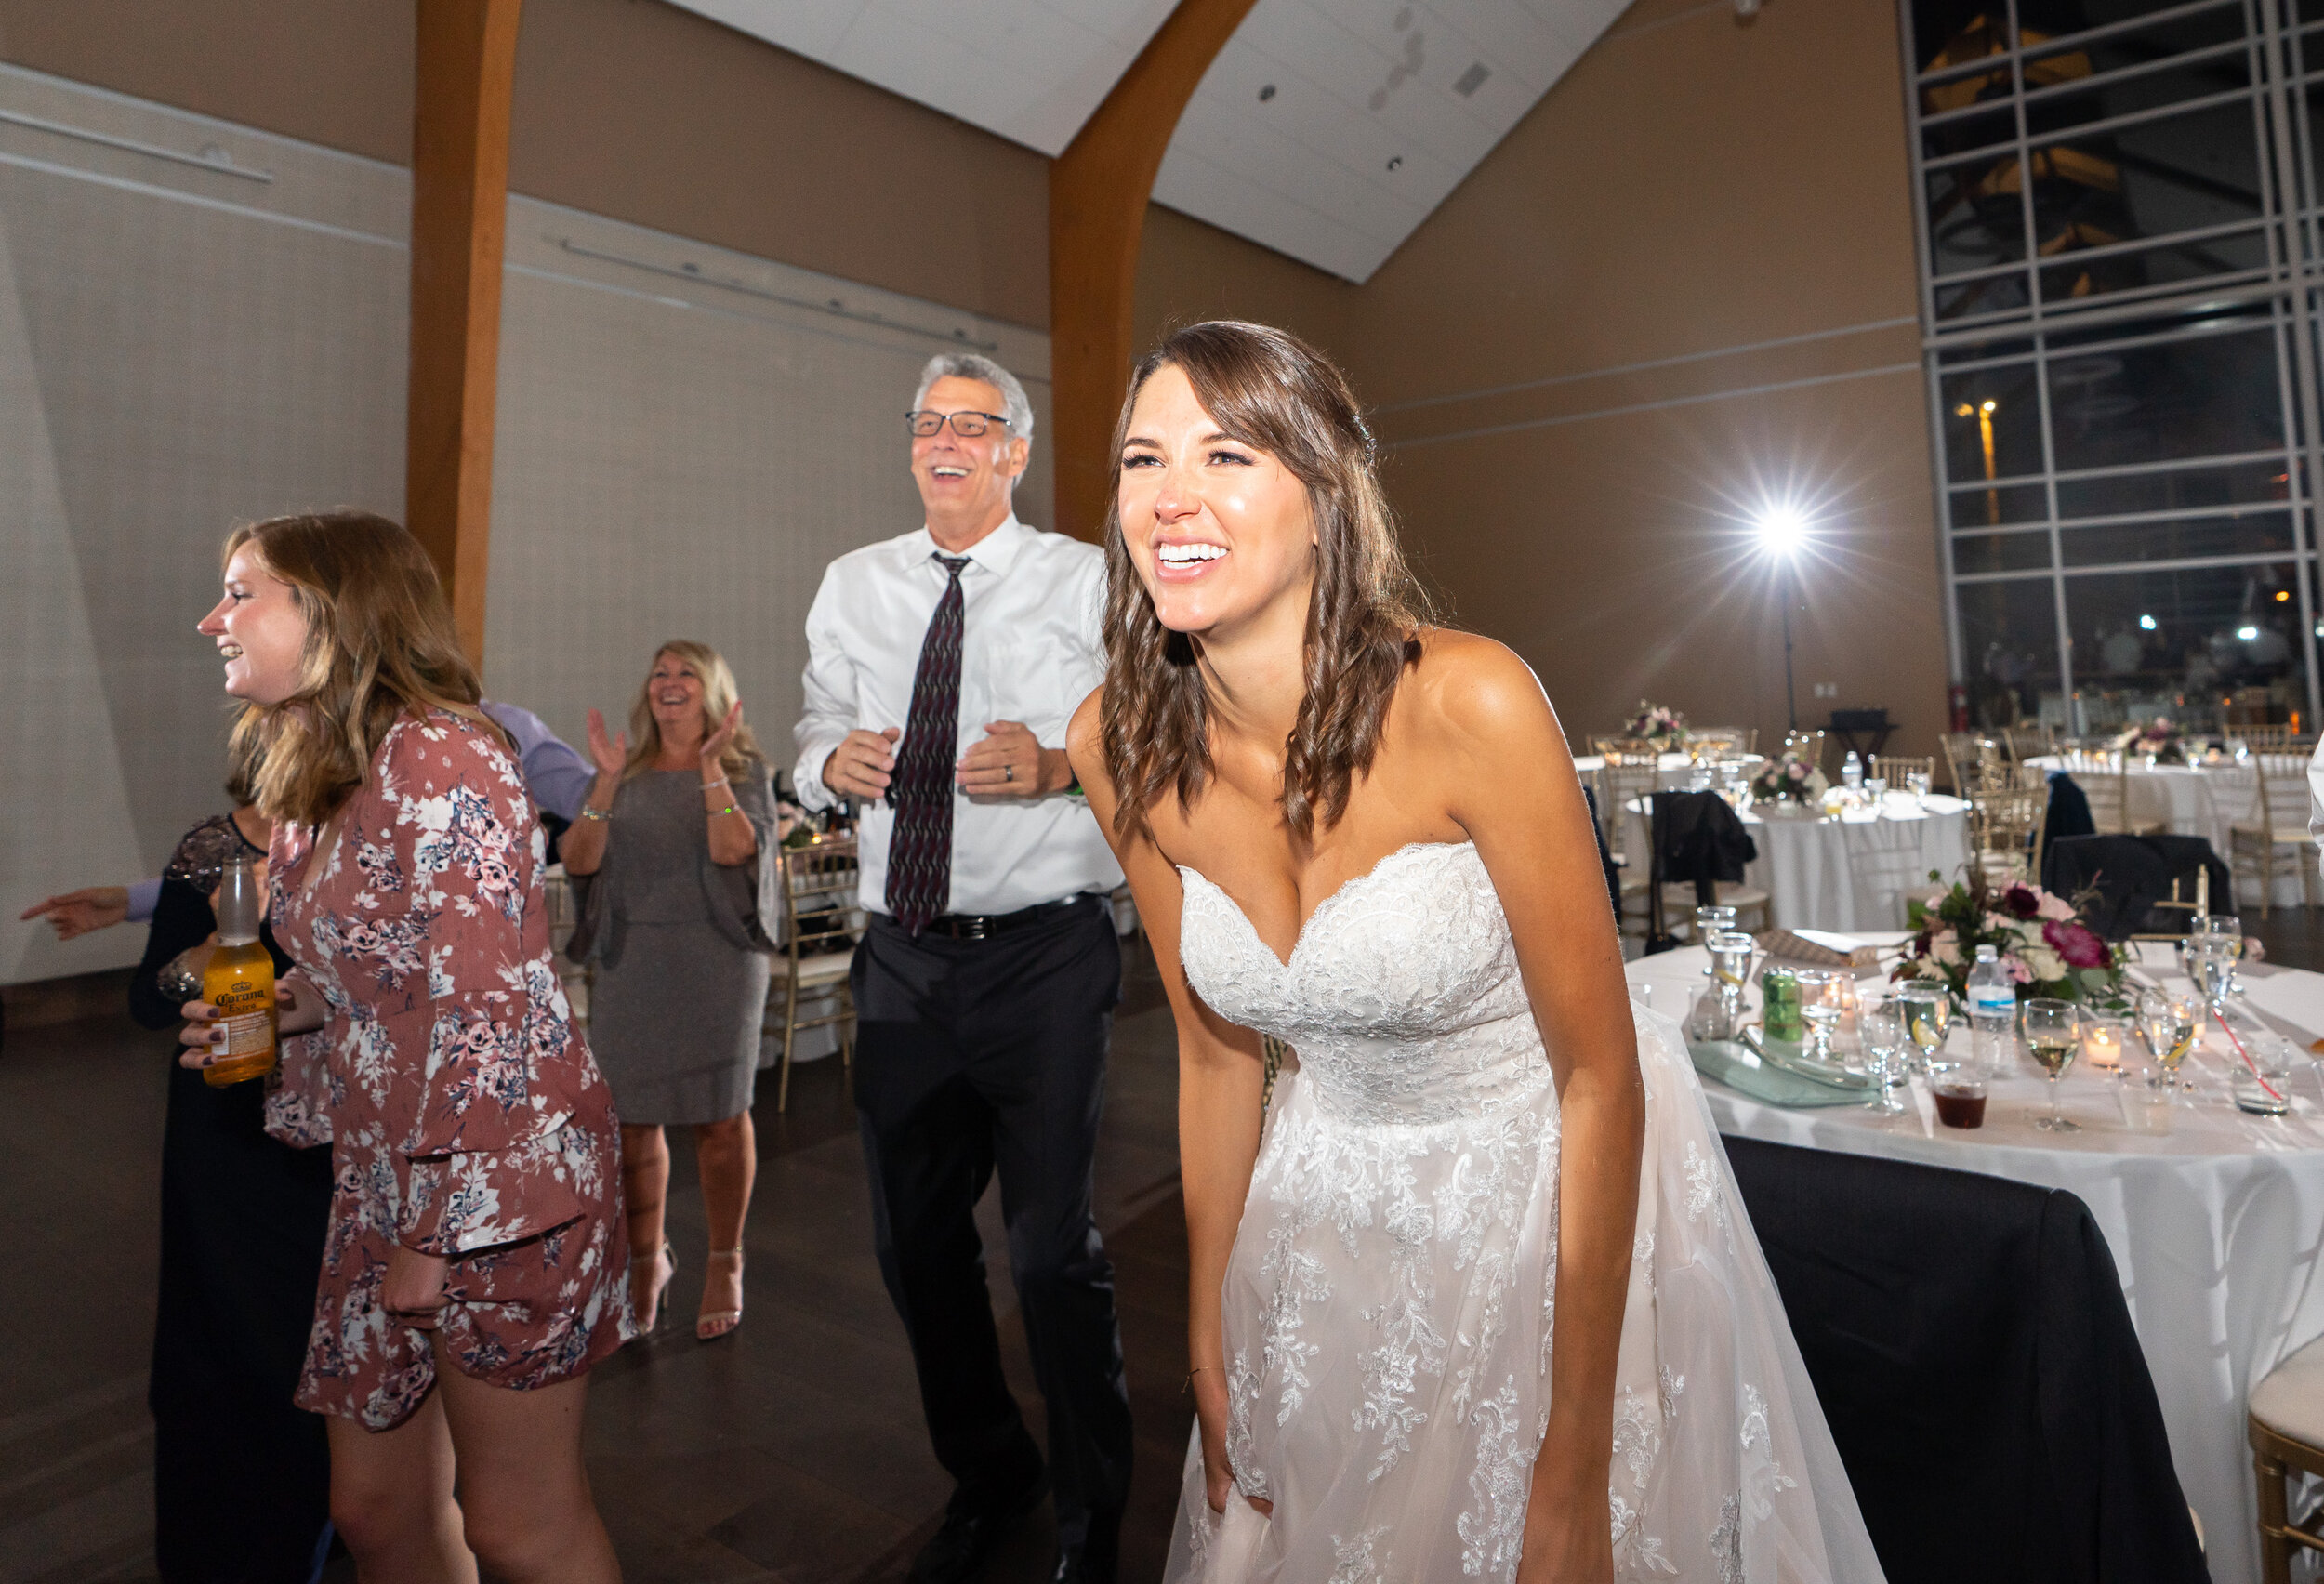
(625, 108)
(1692, 186)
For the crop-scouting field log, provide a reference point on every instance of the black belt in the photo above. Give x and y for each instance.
(983, 925)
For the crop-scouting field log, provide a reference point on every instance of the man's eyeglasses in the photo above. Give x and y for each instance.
(967, 426)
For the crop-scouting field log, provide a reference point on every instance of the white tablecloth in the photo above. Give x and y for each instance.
(1672, 771)
(1848, 873)
(2196, 800)
(2216, 1228)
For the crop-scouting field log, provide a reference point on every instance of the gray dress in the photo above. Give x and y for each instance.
(679, 943)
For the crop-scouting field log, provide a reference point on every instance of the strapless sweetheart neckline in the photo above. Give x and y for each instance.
(1307, 928)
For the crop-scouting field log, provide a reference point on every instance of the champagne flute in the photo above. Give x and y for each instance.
(1928, 1011)
(2053, 1034)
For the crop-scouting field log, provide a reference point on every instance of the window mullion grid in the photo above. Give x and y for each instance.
(2279, 196)
(1924, 245)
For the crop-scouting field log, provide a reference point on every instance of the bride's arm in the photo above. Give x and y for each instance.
(1513, 788)
(1221, 1077)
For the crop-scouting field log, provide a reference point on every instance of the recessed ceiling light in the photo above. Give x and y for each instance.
(1395, 161)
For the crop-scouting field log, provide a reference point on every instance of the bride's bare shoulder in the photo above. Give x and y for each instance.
(1084, 741)
(1473, 687)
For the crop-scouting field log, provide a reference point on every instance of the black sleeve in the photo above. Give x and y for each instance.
(181, 918)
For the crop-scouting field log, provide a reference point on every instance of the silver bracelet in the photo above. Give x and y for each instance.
(590, 813)
(722, 781)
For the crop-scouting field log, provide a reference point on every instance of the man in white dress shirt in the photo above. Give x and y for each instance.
(943, 668)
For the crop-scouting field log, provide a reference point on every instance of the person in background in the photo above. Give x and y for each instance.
(673, 862)
(242, 1219)
(557, 777)
(473, 1271)
(986, 986)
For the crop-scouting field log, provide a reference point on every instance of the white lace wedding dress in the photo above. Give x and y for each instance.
(1388, 1304)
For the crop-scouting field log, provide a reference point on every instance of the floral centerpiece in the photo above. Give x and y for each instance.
(1789, 777)
(2157, 739)
(2038, 936)
(1658, 724)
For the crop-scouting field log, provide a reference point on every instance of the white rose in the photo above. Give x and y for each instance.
(2042, 963)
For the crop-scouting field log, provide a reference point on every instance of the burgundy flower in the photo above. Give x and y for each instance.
(2077, 944)
(2021, 902)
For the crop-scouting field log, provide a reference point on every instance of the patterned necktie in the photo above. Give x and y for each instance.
(919, 848)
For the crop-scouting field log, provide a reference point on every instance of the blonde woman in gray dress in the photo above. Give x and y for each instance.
(673, 861)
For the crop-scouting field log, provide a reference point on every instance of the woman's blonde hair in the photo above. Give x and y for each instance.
(380, 645)
(1267, 389)
(717, 697)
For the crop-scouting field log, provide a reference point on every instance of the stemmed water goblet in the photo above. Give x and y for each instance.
(1881, 1021)
(2168, 1023)
(2053, 1034)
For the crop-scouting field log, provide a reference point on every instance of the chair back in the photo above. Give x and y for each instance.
(2284, 796)
(1967, 757)
(1809, 746)
(2266, 739)
(2005, 823)
(819, 887)
(1894, 767)
(2141, 881)
(1622, 783)
(2022, 743)
(1968, 1342)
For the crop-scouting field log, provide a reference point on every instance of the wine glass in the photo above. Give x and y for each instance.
(1820, 1011)
(1875, 791)
(2053, 1034)
(2167, 1024)
(1928, 1011)
(1881, 1024)
(1918, 782)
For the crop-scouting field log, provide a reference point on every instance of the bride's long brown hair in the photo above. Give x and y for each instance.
(1270, 389)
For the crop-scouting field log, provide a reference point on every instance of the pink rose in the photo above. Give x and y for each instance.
(2078, 946)
(2055, 906)
(1796, 770)
(2017, 970)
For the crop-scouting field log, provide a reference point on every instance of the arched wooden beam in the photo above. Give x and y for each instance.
(1098, 190)
(468, 54)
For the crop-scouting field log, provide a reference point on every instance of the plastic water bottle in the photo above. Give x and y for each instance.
(1992, 1008)
(1852, 772)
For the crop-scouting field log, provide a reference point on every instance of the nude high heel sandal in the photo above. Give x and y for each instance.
(712, 1323)
(649, 1317)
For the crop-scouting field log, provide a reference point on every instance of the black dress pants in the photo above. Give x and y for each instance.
(972, 1054)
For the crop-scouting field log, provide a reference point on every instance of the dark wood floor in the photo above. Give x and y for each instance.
(793, 1451)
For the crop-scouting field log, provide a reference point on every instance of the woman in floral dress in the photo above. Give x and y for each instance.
(476, 1241)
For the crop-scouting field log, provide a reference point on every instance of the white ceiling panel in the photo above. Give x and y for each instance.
(1031, 70)
(1326, 129)
(1329, 129)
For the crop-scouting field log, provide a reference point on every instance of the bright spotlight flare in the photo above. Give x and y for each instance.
(1783, 528)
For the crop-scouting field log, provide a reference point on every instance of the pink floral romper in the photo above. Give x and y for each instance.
(466, 1116)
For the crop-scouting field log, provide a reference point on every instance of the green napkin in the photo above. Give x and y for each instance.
(1738, 1066)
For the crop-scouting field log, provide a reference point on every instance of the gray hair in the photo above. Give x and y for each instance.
(969, 365)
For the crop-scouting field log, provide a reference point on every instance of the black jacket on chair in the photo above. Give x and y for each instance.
(1969, 1342)
(1698, 840)
(2130, 874)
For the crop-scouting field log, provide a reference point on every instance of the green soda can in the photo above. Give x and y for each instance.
(1780, 1003)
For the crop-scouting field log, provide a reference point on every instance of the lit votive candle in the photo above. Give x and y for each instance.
(2101, 1044)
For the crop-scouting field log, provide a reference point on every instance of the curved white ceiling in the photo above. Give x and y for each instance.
(1326, 129)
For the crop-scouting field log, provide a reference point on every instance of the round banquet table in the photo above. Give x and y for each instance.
(1854, 872)
(2216, 1228)
(1672, 771)
(2195, 799)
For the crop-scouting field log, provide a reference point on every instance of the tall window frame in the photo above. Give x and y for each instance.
(2031, 502)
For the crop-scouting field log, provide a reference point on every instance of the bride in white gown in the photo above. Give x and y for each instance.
(1363, 835)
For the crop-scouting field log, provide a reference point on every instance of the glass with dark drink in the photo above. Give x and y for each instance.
(1960, 1100)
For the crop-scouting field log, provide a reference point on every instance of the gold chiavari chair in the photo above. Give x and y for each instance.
(819, 893)
(1966, 754)
(2104, 774)
(2266, 739)
(1622, 782)
(2274, 840)
(1722, 742)
(1894, 767)
(2022, 743)
(2005, 828)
